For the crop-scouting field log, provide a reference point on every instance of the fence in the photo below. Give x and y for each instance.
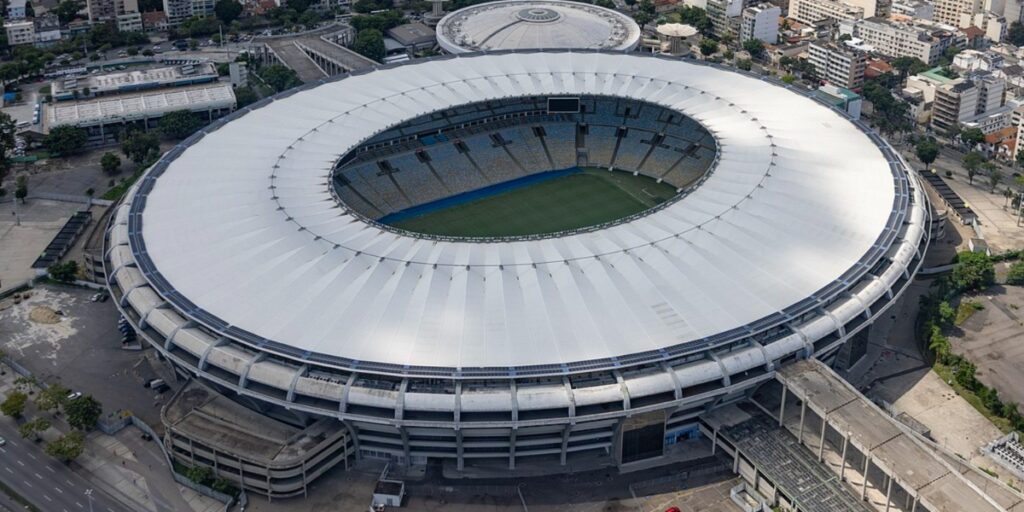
(69, 198)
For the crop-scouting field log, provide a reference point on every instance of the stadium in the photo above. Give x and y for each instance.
(548, 260)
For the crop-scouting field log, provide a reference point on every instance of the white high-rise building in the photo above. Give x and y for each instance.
(924, 40)
(812, 11)
(760, 22)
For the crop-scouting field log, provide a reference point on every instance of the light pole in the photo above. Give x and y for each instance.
(88, 494)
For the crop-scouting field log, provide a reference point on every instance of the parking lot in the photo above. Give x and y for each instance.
(82, 351)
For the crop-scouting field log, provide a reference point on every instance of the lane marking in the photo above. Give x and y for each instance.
(26, 483)
(79, 505)
(47, 498)
(7, 469)
(48, 468)
(20, 463)
(32, 456)
(58, 490)
(69, 483)
(38, 476)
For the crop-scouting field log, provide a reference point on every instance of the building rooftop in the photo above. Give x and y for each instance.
(412, 34)
(677, 30)
(134, 80)
(524, 24)
(198, 412)
(914, 464)
(132, 106)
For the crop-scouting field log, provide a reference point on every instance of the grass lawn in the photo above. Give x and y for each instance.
(946, 373)
(582, 199)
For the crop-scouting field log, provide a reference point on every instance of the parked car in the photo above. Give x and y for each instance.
(3, 441)
(75, 396)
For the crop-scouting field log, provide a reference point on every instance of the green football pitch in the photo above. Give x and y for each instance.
(592, 196)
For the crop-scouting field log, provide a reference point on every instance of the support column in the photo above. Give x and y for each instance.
(512, 450)
(565, 442)
(842, 467)
(803, 412)
(821, 440)
(782, 406)
(460, 463)
(714, 440)
(864, 486)
(888, 495)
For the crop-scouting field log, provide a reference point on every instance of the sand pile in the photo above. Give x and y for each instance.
(44, 315)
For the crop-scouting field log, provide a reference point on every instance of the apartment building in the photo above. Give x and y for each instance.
(810, 12)
(725, 16)
(913, 9)
(975, 100)
(111, 10)
(20, 32)
(760, 22)
(951, 12)
(838, 64)
(922, 39)
(16, 9)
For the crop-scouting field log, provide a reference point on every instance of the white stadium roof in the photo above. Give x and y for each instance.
(242, 233)
(533, 24)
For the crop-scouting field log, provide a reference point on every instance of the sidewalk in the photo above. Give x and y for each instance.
(124, 466)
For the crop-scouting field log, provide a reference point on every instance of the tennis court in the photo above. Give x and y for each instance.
(581, 198)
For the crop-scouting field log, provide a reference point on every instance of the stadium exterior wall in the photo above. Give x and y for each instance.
(557, 418)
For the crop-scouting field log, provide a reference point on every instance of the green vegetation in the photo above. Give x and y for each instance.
(119, 190)
(67, 448)
(33, 428)
(935, 318)
(179, 124)
(973, 271)
(708, 47)
(227, 10)
(965, 310)
(203, 476)
(577, 200)
(110, 163)
(754, 47)
(83, 412)
(14, 404)
(64, 272)
(279, 77)
(1015, 276)
(65, 140)
(52, 397)
(140, 147)
(370, 44)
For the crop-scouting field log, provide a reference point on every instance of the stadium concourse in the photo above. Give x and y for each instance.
(258, 257)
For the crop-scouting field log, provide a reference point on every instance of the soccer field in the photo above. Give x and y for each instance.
(584, 198)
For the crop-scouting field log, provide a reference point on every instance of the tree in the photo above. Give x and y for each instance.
(83, 412)
(33, 428)
(754, 47)
(370, 44)
(66, 448)
(110, 163)
(973, 271)
(51, 398)
(1015, 275)
(972, 137)
(65, 140)
(179, 124)
(696, 18)
(909, 66)
(1015, 34)
(279, 77)
(21, 188)
(227, 10)
(7, 130)
(744, 64)
(927, 150)
(245, 96)
(708, 47)
(140, 147)
(972, 161)
(67, 10)
(995, 176)
(14, 404)
(64, 272)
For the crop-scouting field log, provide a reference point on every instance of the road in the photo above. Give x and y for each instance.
(48, 484)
